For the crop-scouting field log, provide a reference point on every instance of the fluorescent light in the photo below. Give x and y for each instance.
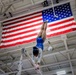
(61, 72)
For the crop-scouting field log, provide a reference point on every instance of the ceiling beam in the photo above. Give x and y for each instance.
(51, 54)
(10, 51)
(32, 2)
(51, 72)
(56, 60)
(20, 65)
(6, 66)
(8, 5)
(4, 51)
(2, 71)
(44, 64)
(6, 9)
(42, 8)
(64, 37)
(47, 65)
(12, 2)
(72, 54)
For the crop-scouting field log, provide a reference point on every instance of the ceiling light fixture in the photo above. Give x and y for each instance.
(61, 72)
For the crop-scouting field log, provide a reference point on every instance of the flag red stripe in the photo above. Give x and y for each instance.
(65, 21)
(18, 43)
(74, 27)
(40, 19)
(22, 28)
(32, 30)
(27, 36)
(58, 33)
(29, 31)
(31, 40)
(27, 23)
(55, 24)
(62, 27)
(21, 17)
(18, 25)
(16, 34)
(22, 20)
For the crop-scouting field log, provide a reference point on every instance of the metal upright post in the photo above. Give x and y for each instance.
(64, 38)
(20, 65)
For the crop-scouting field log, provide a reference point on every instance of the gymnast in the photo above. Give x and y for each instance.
(37, 50)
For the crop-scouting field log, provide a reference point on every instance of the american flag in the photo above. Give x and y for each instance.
(24, 29)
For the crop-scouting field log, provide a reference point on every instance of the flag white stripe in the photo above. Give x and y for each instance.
(22, 18)
(60, 30)
(54, 22)
(21, 40)
(22, 26)
(59, 25)
(25, 39)
(32, 25)
(51, 32)
(23, 22)
(35, 27)
(13, 37)
(74, 26)
(37, 18)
